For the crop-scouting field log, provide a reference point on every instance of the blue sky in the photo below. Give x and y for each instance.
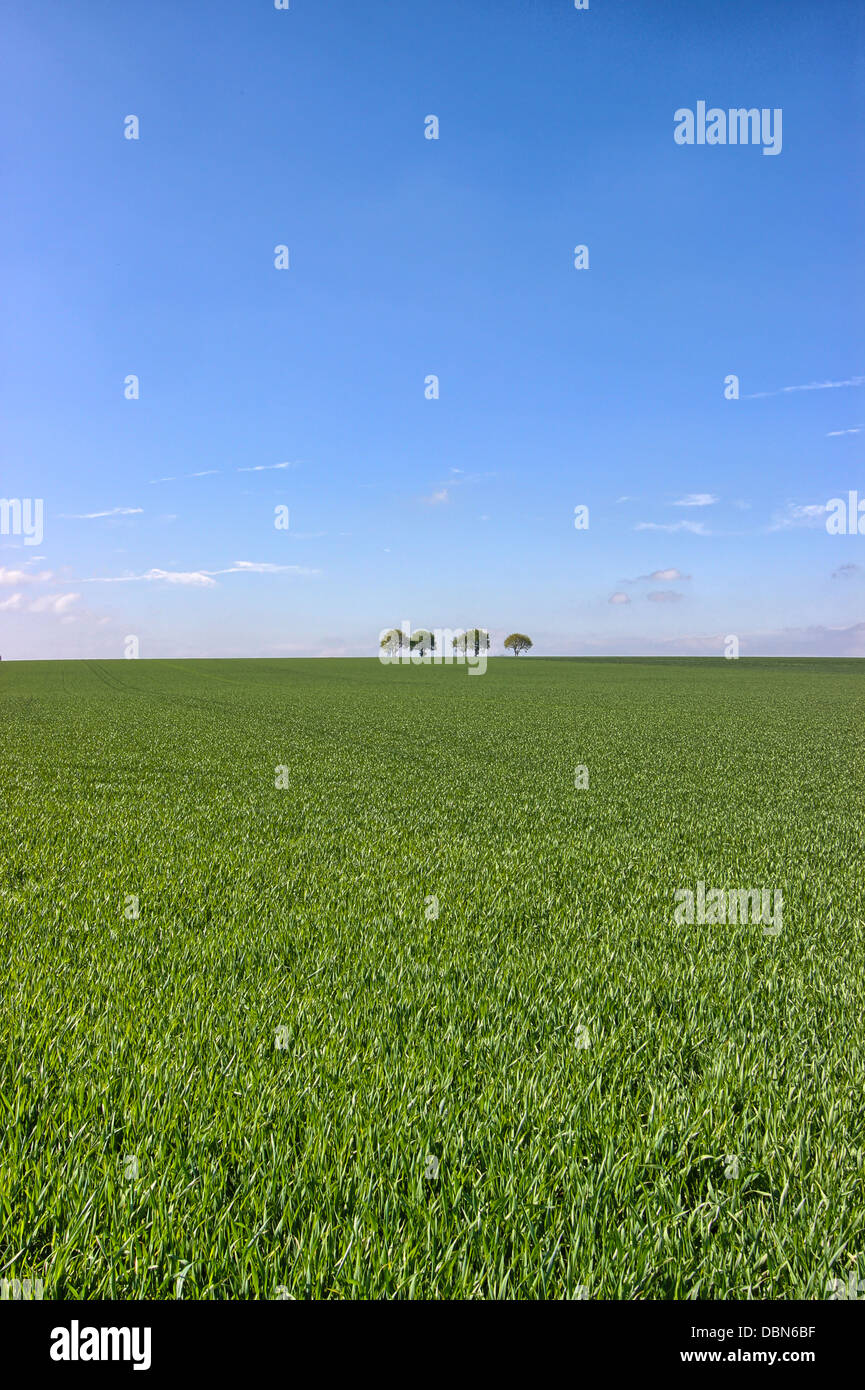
(411, 257)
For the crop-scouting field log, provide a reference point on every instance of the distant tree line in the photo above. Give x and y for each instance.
(474, 641)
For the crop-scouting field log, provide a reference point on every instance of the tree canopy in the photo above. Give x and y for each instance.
(476, 640)
(392, 640)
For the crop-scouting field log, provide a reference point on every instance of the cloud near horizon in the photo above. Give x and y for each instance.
(668, 576)
(47, 603)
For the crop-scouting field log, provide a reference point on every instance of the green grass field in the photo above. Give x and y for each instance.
(286, 1039)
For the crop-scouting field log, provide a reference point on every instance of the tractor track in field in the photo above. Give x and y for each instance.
(97, 669)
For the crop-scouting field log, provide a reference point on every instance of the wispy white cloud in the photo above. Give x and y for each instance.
(809, 386)
(619, 598)
(202, 473)
(438, 498)
(794, 515)
(857, 429)
(697, 499)
(193, 578)
(664, 596)
(201, 579)
(94, 516)
(266, 467)
(696, 528)
(263, 567)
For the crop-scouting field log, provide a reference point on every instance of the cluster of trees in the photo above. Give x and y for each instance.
(472, 642)
(396, 639)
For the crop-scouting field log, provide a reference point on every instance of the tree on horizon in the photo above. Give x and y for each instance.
(392, 640)
(474, 641)
(423, 641)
